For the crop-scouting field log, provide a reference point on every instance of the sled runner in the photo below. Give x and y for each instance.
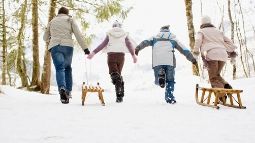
(219, 93)
(86, 89)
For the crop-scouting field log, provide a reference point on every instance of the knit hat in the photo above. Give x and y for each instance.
(205, 20)
(166, 27)
(117, 24)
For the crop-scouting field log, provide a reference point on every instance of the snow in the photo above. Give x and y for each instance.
(143, 117)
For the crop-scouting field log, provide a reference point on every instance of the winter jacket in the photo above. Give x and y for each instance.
(212, 44)
(59, 32)
(116, 41)
(163, 48)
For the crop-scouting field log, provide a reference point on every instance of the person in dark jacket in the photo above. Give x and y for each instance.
(163, 59)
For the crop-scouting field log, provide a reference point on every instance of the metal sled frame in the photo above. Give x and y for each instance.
(218, 92)
(87, 89)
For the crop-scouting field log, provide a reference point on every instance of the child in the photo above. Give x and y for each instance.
(116, 44)
(163, 59)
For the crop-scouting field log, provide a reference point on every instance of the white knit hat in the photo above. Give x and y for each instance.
(205, 20)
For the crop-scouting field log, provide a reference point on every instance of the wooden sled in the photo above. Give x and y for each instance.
(218, 92)
(86, 89)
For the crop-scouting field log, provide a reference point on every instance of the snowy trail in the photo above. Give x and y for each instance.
(142, 117)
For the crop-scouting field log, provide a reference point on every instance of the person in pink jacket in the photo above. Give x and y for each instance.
(215, 49)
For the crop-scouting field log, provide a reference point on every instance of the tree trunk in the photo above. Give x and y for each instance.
(36, 64)
(21, 66)
(189, 15)
(45, 83)
(4, 46)
(232, 24)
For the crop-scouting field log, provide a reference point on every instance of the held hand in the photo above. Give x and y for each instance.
(194, 62)
(134, 58)
(91, 55)
(86, 51)
(136, 51)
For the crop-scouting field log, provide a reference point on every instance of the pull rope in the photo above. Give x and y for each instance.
(86, 72)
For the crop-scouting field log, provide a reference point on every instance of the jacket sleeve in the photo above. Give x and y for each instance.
(79, 37)
(144, 44)
(198, 43)
(46, 35)
(102, 45)
(229, 44)
(129, 45)
(185, 51)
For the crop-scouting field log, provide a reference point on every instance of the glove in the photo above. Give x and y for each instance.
(194, 61)
(233, 60)
(91, 55)
(134, 58)
(136, 51)
(86, 51)
(232, 54)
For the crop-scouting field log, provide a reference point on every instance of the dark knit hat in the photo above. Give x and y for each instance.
(166, 27)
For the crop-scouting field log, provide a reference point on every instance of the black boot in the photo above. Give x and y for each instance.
(117, 81)
(226, 86)
(120, 94)
(162, 78)
(63, 96)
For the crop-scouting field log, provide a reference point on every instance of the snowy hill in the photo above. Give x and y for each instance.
(143, 117)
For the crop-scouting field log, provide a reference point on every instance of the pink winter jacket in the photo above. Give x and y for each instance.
(213, 45)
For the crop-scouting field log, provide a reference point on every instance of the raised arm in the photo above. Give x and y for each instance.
(185, 51)
(143, 44)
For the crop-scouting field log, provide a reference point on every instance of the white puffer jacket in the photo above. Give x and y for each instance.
(116, 42)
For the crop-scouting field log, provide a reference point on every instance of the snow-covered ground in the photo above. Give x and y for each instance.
(143, 117)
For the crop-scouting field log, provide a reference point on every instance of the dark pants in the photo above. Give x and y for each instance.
(115, 62)
(62, 59)
(214, 70)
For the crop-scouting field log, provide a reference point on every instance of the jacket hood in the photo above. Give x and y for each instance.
(165, 35)
(116, 32)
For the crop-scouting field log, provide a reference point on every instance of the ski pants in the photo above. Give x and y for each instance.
(169, 78)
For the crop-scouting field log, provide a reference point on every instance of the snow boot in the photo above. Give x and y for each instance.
(162, 78)
(119, 99)
(120, 94)
(226, 86)
(63, 96)
(171, 101)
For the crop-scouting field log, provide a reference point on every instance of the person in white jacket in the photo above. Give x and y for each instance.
(116, 43)
(59, 35)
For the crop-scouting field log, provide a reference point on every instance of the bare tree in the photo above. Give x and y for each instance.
(21, 66)
(232, 24)
(4, 45)
(36, 65)
(45, 84)
(189, 15)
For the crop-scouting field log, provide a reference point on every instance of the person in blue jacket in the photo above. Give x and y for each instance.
(163, 59)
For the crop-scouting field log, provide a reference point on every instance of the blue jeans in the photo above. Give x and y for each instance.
(170, 73)
(62, 59)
